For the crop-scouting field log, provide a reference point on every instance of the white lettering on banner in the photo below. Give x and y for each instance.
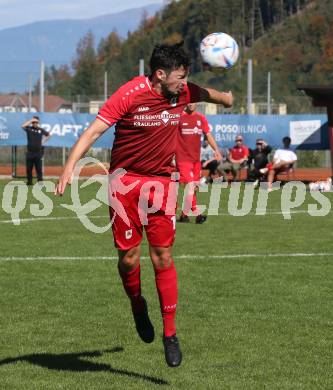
(3, 134)
(3, 127)
(229, 137)
(305, 131)
(240, 129)
(62, 129)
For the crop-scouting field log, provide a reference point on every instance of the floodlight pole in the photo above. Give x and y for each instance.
(105, 85)
(141, 67)
(269, 108)
(249, 86)
(30, 93)
(41, 86)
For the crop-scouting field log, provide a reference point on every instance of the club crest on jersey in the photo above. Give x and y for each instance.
(165, 116)
(128, 234)
(199, 122)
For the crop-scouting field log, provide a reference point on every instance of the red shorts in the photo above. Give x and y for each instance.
(189, 171)
(143, 203)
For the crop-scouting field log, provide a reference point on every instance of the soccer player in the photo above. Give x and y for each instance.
(192, 126)
(146, 113)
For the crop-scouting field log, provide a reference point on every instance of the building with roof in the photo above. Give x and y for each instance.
(20, 103)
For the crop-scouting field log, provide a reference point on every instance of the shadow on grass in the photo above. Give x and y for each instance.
(75, 362)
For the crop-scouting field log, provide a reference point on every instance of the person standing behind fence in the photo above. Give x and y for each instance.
(35, 149)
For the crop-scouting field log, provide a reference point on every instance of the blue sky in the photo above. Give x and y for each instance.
(18, 12)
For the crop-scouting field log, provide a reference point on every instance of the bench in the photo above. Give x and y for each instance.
(305, 175)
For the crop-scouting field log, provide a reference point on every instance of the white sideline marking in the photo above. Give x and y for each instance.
(180, 257)
(34, 219)
(48, 218)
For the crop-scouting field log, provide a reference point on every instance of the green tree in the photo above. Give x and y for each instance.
(88, 77)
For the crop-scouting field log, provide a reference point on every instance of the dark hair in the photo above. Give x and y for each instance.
(286, 139)
(169, 57)
(35, 117)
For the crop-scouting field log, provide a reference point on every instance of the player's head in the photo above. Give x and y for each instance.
(191, 107)
(286, 141)
(169, 66)
(35, 120)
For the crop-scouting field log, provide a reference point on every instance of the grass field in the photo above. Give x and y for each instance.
(255, 308)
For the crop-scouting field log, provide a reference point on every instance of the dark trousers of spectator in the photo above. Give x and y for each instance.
(254, 174)
(212, 169)
(34, 160)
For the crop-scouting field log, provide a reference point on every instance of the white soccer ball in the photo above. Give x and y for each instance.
(219, 50)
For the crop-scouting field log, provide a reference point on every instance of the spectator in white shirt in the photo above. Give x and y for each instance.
(283, 161)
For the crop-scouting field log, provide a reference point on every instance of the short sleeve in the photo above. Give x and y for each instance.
(44, 132)
(246, 152)
(114, 108)
(194, 93)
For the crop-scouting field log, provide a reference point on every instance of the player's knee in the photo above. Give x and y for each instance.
(163, 259)
(129, 260)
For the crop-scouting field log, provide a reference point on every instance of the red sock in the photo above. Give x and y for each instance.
(194, 205)
(166, 283)
(132, 285)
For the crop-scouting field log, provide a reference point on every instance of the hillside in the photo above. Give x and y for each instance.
(55, 42)
(293, 39)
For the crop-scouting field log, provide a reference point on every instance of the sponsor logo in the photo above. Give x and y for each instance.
(143, 109)
(170, 307)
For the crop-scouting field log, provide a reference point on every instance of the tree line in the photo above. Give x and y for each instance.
(284, 36)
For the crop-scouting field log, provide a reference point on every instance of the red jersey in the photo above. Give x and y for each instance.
(146, 126)
(238, 153)
(191, 127)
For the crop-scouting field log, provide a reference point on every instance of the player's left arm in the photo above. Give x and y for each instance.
(211, 95)
(212, 143)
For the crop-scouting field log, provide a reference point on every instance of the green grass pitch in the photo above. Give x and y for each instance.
(255, 303)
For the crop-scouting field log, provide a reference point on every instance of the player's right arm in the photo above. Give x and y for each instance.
(212, 143)
(111, 112)
(83, 144)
